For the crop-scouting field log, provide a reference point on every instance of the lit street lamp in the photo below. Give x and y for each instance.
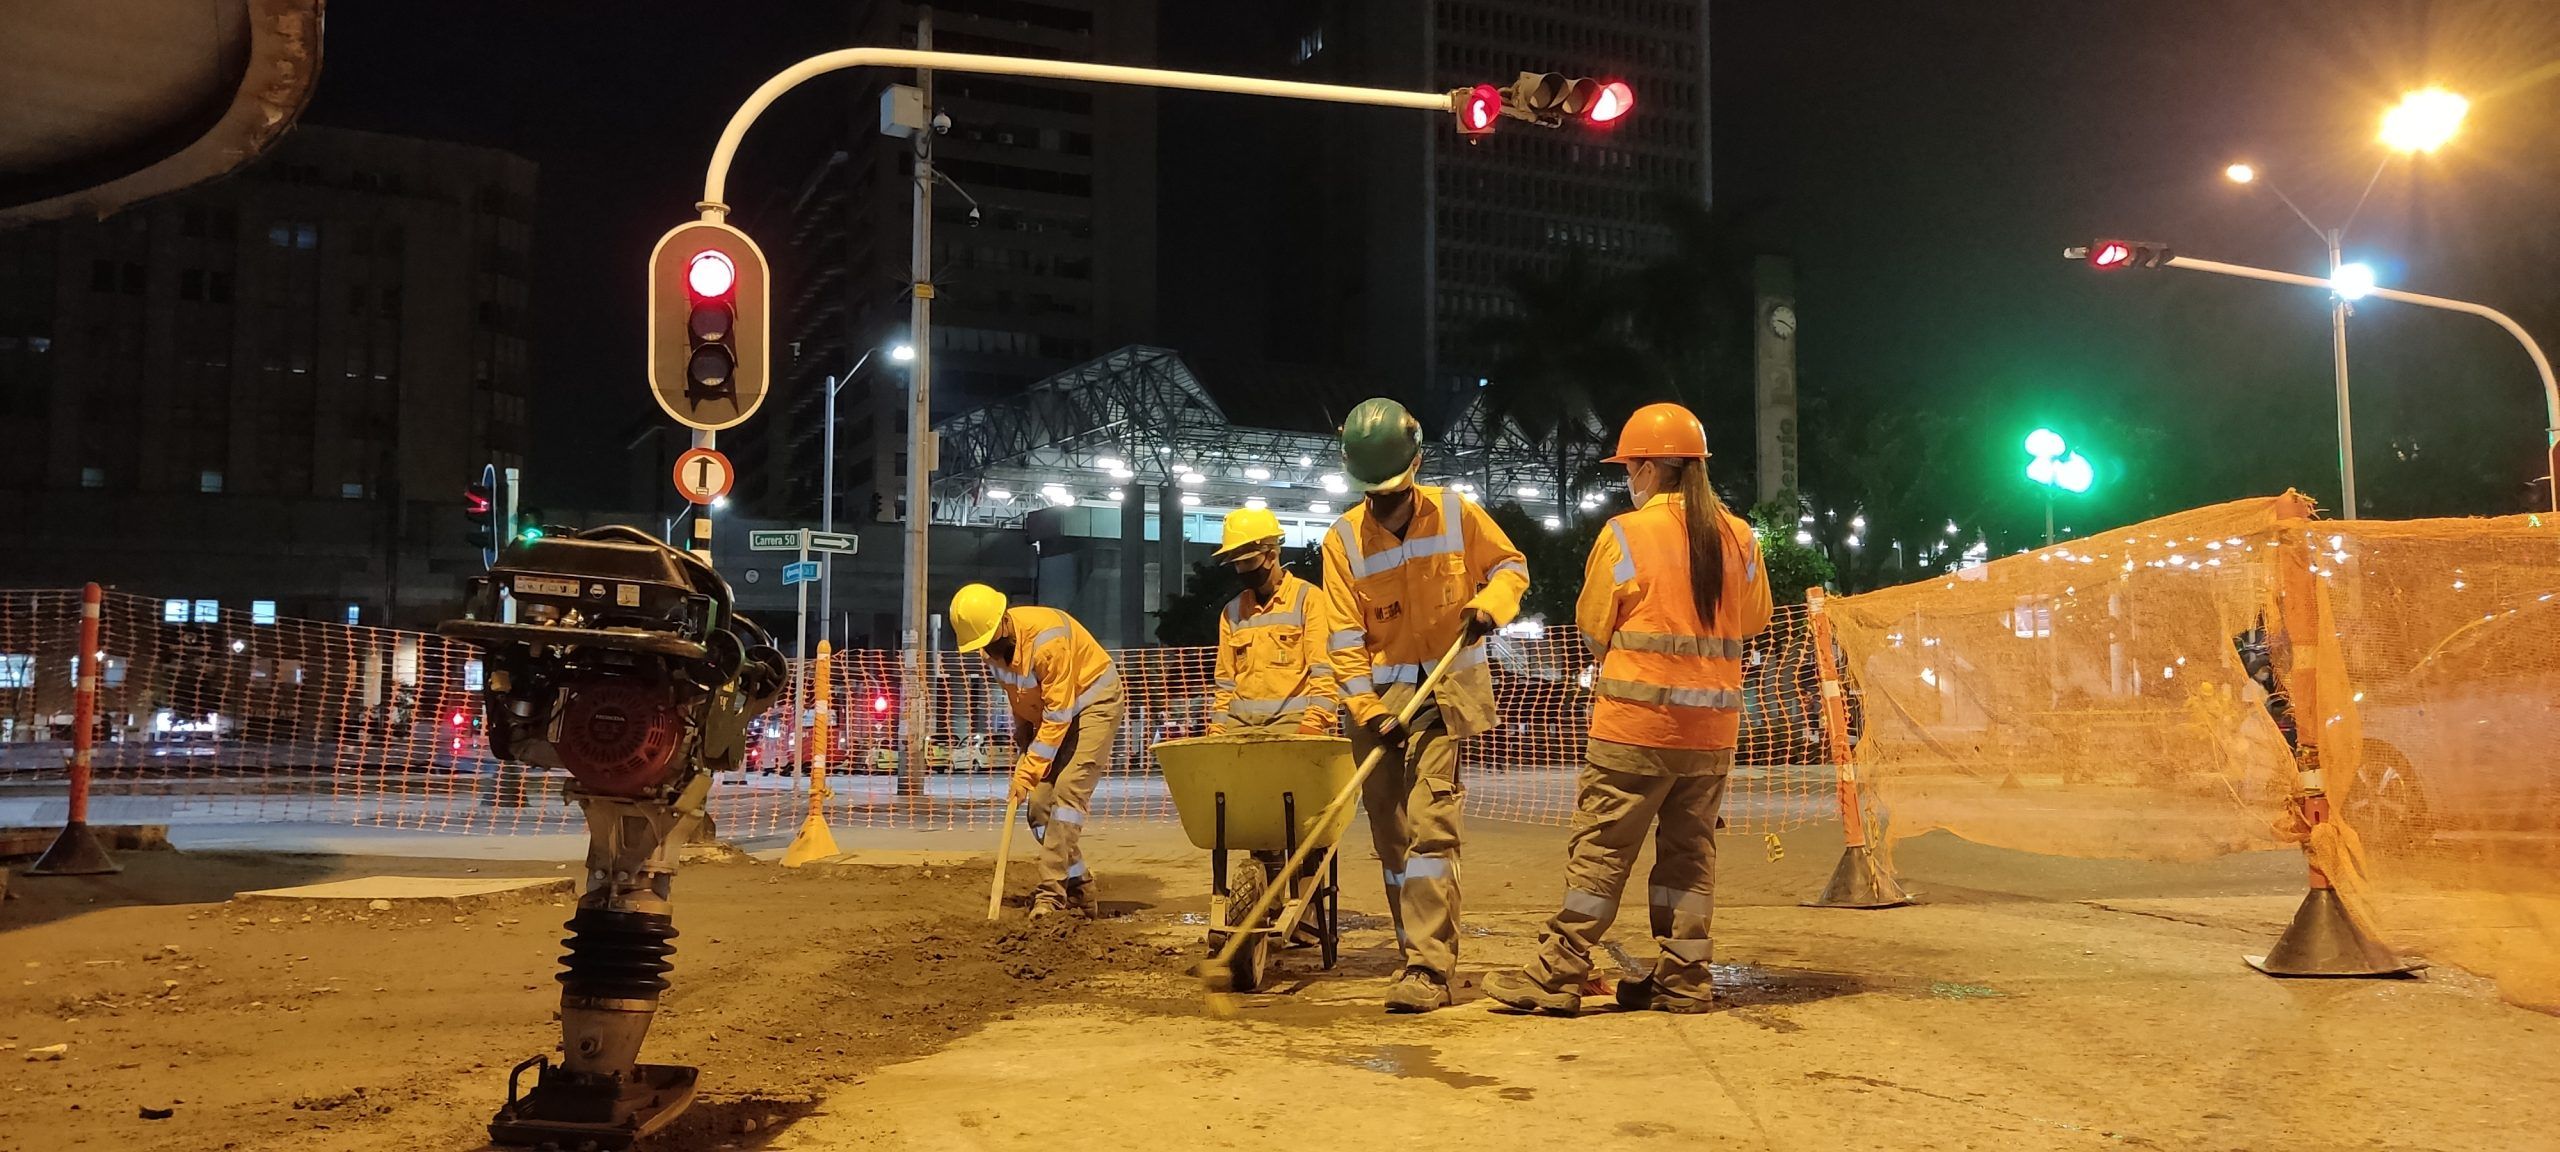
(903, 354)
(2423, 121)
(2053, 464)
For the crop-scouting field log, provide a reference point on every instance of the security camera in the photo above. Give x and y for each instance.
(941, 123)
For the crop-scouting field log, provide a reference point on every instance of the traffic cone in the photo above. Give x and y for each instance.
(816, 841)
(75, 852)
(1860, 881)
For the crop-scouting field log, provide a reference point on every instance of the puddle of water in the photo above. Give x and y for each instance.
(1414, 1062)
(1748, 985)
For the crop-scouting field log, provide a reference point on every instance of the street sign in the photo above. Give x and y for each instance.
(803, 539)
(800, 572)
(703, 475)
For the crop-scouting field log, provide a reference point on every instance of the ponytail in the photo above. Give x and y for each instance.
(1705, 516)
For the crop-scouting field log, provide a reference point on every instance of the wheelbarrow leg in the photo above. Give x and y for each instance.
(1332, 897)
(1218, 868)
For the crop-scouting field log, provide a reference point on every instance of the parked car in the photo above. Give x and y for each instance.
(2468, 743)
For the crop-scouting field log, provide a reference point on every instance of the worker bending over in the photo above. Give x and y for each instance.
(1066, 712)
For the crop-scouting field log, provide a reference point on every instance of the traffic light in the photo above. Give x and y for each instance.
(528, 527)
(709, 325)
(1477, 109)
(2106, 254)
(1549, 98)
(477, 504)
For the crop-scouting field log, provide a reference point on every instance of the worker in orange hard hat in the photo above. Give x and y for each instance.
(1671, 593)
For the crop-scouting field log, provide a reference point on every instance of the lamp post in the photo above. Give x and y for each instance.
(827, 501)
(2052, 464)
(2423, 121)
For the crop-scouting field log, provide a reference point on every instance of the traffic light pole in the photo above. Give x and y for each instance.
(2541, 362)
(920, 441)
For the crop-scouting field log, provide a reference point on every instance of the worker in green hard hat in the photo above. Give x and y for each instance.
(1407, 571)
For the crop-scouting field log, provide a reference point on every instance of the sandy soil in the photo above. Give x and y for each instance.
(2029, 1003)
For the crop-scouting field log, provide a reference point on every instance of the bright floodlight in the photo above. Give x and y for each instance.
(710, 275)
(2240, 173)
(903, 353)
(2352, 281)
(2042, 469)
(2044, 443)
(2074, 474)
(2424, 120)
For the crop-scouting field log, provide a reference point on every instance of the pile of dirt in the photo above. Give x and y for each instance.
(244, 1024)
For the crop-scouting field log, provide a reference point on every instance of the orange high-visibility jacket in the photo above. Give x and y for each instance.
(1271, 663)
(1668, 679)
(1056, 671)
(1395, 603)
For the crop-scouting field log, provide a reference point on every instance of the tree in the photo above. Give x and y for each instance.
(1189, 619)
(1554, 557)
(1562, 358)
(1792, 567)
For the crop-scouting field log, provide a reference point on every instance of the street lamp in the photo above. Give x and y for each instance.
(2053, 464)
(2423, 121)
(903, 353)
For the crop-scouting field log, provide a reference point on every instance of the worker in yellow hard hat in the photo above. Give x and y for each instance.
(1407, 572)
(1271, 667)
(1066, 710)
(1671, 594)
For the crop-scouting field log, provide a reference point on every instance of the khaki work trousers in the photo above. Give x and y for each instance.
(1614, 812)
(1414, 802)
(1058, 806)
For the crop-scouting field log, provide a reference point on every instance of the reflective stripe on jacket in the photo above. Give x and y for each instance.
(1056, 671)
(1396, 603)
(1668, 679)
(1271, 665)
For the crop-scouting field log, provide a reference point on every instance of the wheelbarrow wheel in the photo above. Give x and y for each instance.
(1253, 957)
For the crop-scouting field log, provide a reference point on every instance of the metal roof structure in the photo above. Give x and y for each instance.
(1138, 415)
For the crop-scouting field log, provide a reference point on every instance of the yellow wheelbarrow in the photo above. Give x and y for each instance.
(1264, 794)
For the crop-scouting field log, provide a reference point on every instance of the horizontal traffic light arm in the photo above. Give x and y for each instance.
(715, 184)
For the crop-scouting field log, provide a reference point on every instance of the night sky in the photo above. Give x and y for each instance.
(1925, 162)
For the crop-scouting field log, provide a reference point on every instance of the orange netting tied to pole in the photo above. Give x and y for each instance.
(2239, 677)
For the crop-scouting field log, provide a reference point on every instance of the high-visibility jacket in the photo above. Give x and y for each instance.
(1396, 602)
(1056, 672)
(1271, 666)
(1668, 679)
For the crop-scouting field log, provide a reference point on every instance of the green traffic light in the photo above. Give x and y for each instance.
(2055, 465)
(529, 533)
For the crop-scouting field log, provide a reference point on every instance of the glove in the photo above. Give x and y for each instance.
(1025, 778)
(1386, 731)
(1479, 623)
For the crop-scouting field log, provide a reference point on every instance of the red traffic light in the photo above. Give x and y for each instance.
(460, 718)
(710, 274)
(1478, 108)
(475, 501)
(1614, 101)
(2110, 254)
(880, 703)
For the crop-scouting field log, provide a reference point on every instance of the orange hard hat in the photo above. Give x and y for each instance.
(1661, 432)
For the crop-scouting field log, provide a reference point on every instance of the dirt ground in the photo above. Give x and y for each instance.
(2027, 1003)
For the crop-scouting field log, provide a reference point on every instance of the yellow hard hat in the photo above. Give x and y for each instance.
(1244, 528)
(976, 610)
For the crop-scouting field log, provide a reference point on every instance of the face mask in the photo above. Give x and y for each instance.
(1388, 503)
(1259, 577)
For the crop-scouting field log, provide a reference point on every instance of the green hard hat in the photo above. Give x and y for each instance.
(1381, 442)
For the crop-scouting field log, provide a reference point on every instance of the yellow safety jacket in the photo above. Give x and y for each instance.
(1668, 679)
(1271, 666)
(1396, 603)
(1056, 672)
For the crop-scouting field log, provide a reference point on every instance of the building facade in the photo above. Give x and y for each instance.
(267, 391)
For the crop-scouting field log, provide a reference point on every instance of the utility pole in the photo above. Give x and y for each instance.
(911, 698)
(2338, 356)
(827, 510)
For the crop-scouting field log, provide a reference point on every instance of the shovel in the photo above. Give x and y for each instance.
(1215, 972)
(1004, 852)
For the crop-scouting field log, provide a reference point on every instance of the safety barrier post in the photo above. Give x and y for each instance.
(76, 852)
(816, 841)
(1860, 880)
(2324, 937)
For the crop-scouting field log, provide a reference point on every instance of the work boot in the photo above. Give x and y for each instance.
(1085, 897)
(1518, 990)
(1641, 994)
(1418, 990)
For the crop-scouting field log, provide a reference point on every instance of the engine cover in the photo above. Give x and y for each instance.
(619, 737)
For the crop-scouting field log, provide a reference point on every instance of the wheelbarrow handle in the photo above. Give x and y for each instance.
(1368, 764)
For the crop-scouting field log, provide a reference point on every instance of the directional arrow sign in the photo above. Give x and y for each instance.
(801, 572)
(834, 542)
(795, 539)
(784, 541)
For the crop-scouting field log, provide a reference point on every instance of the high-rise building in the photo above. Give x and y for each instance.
(270, 391)
(1044, 242)
(1341, 251)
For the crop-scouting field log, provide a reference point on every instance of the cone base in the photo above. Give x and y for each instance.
(76, 852)
(2323, 942)
(1859, 882)
(815, 842)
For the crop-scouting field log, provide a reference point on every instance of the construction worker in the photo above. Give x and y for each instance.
(1671, 593)
(1407, 571)
(1066, 712)
(1272, 671)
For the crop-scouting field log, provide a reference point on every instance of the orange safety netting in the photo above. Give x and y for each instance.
(207, 715)
(2134, 694)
